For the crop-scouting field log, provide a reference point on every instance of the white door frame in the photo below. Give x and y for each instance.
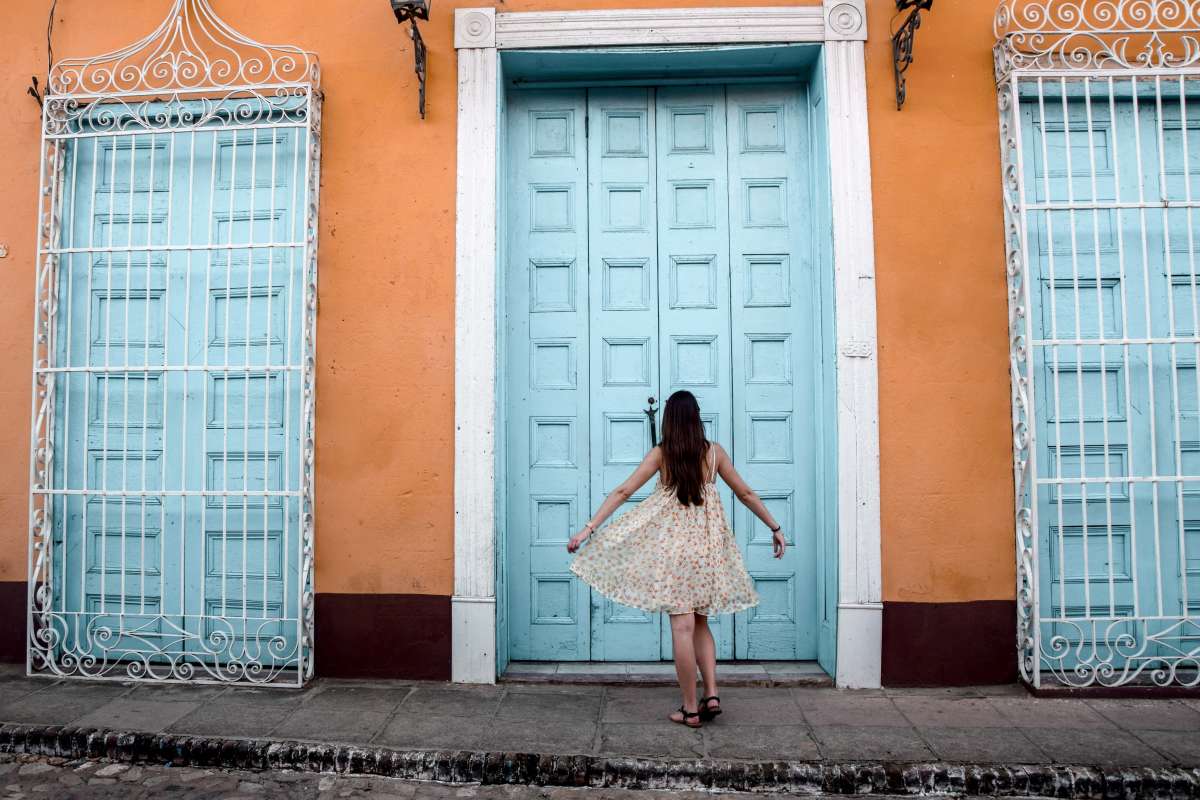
(479, 36)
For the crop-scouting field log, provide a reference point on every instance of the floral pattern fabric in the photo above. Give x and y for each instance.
(664, 556)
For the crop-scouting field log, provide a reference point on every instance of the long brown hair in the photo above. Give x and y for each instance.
(684, 448)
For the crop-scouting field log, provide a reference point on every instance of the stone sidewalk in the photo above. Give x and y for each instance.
(992, 740)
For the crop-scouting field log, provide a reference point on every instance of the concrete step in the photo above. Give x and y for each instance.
(662, 673)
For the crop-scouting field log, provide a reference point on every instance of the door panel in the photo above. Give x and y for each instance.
(668, 223)
(775, 444)
(623, 274)
(549, 443)
(693, 249)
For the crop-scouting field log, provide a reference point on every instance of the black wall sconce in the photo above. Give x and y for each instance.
(410, 11)
(902, 43)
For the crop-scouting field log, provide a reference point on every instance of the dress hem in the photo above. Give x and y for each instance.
(618, 596)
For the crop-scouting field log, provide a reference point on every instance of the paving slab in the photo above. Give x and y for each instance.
(126, 713)
(1182, 747)
(1148, 715)
(950, 712)
(61, 703)
(177, 692)
(761, 742)
(256, 696)
(359, 698)
(829, 707)
(425, 731)
(983, 745)
(641, 704)
(653, 740)
(1096, 747)
(1043, 712)
(331, 724)
(232, 719)
(845, 742)
(765, 706)
(518, 705)
(562, 737)
(456, 701)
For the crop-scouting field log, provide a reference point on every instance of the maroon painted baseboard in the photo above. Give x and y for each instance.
(12, 622)
(949, 644)
(383, 636)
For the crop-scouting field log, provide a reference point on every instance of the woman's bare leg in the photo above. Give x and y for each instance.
(683, 630)
(706, 656)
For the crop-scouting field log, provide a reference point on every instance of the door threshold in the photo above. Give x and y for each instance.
(662, 673)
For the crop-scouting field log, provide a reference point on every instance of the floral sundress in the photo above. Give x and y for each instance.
(664, 556)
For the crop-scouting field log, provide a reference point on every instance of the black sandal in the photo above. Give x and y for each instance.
(688, 716)
(707, 713)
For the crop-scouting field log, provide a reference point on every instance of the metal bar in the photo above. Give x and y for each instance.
(131, 248)
(1153, 407)
(1195, 331)
(1125, 351)
(1118, 340)
(155, 368)
(267, 378)
(166, 493)
(1054, 354)
(1114, 205)
(1108, 516)
(1075, 295)
(1148, 479)
(1164, 191)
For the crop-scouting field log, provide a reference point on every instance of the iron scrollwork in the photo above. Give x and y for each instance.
(410, 11)
(902, 44)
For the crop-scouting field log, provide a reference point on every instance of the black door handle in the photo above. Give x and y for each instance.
(653, 425)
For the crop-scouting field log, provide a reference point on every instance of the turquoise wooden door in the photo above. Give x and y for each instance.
(655, 243)
(178, 406)
(1115, 310)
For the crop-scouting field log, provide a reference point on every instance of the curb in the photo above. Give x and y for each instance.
(465, 766)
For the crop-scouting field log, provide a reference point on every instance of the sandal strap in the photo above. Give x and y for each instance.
(689, 714)
(707, 699)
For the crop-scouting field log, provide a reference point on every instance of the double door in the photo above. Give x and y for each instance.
(656, 240)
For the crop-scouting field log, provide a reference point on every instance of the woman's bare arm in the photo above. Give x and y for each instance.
(644, 472)
(748, 497)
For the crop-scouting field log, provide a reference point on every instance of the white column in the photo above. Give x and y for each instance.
(860, 597)
(473, 609)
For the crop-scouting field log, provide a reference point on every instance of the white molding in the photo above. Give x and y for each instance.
(473, 639)
(860, 609)
(859, 633)
(845, 20)
(473, 658)
(479, 36)
(659, 26)
(474, 27)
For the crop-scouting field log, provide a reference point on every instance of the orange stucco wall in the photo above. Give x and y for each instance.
(385, 354)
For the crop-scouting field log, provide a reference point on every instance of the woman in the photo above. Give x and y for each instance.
(674, 552)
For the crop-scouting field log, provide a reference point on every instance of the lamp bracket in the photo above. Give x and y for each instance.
(902, 43)
(410, 11)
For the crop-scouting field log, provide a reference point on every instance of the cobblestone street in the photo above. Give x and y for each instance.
(23, 777)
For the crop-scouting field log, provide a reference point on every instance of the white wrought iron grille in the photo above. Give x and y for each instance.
(171, 485)
(1100, 135)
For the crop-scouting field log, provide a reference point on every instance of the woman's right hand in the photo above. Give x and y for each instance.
(578, 539)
